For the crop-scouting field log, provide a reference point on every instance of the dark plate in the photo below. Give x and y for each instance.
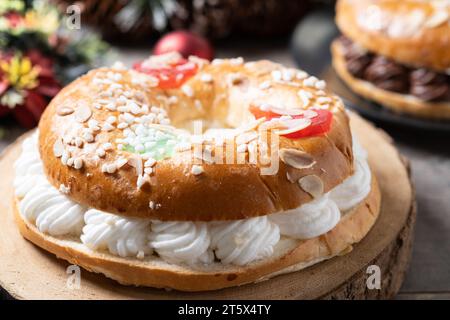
(311, 48)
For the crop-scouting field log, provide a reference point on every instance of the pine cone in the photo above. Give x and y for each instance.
(219, 18)
(210, 18)
(321, 3)
(102, 14)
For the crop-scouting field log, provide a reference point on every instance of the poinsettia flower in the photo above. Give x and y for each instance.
(45, 63)
(26, 85)
(20, 72)
(3, 85)
(14, 19)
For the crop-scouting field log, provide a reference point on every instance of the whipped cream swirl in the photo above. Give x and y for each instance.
(181, 241)
(125, 237)
(309, 220)
(355, 188)
(243, 241)
(358, 151)
(52, 212)
(28, 167)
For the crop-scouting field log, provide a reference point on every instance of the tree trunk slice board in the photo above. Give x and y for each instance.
(28, 272)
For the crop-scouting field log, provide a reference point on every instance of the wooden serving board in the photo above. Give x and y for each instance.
(28, 272)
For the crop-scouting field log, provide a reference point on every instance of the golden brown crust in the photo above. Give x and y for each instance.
(221, 192)
(350, 230)
(397, 102)
(411, 32)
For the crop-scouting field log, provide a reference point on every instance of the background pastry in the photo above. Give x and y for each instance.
(396, 53)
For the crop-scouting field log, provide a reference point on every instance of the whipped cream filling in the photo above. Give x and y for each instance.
(356, 187)
(243, 241)
(179, 242)
(231, 242)
(51, 211)
(309, 220)
(28, 167)
(121, 236)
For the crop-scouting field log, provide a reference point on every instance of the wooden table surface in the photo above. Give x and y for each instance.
(429, 274)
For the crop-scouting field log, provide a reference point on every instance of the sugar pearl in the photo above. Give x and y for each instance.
(70, 162)
(265, 85)
(107, 146)
(100, 152)
(187, 90)
(321, 85)
(78, 163)
(206, 77)
(196, 169)
(88, 136)
(111, 168)
(111, 119)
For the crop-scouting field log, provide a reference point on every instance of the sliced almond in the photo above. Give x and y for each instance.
(296, 158)
(136, 162)
(64, 111)
(58, 148)
(141, 180)
(121, 162)
(438, 18)
(310, 113)
(290, 177)
(287, 112)
(246, 137)
(250, 125)
(261, 68)
(83, 113)
(272, 124)
(294, 126)
(312, 184)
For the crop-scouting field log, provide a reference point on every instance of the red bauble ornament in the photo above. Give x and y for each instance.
(186, 43)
